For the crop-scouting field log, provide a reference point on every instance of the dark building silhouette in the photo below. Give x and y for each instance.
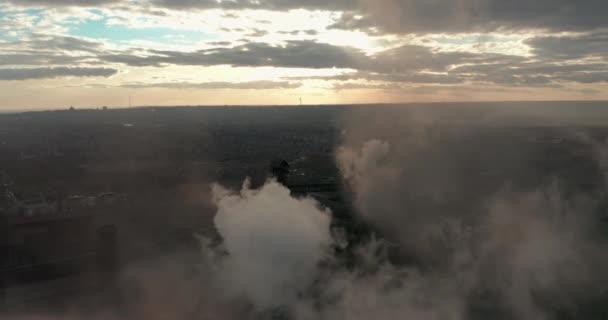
(51, 256)
(279, 169)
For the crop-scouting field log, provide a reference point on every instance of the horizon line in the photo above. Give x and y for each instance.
(116, 108)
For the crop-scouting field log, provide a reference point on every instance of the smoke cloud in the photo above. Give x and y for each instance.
(454, 239)
(274, 243)
(512, 248)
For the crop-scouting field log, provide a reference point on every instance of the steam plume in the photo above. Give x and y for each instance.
(274, 243)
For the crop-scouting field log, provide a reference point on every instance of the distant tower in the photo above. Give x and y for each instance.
(300, 100)
(279, 169)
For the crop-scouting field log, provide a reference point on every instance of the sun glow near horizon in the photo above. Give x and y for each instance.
(56, 54)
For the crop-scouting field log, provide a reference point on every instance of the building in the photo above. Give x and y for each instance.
(51, 255)
(279, 169)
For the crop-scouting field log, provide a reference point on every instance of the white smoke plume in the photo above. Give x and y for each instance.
(278, 256)
(506, 252)
(274, 243)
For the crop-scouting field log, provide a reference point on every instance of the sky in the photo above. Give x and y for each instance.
(92, 53)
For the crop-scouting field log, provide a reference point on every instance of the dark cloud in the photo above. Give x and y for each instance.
(404, 60)
(42, 42)
(405, 16)
(587, 77)
(45, 73)
(590, 45)
(556, 60)
(83, 3)
(310, 32)
(45, 43)
(37, 59)
(529, 73)
(408, 58)
(220, 43)
(448, 16)
(354, 21)
(508, 79)
(134, 60)
(295, 54)
(43, 50)
(250, 85)
(257, 33)
(405, 64)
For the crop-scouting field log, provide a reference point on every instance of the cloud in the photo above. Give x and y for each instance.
(50, 3)
(389, 69)
(45, 43)
(411, 64)
(274, 243)
(300, 54)
(589, 45)
(533, 73)
(56, 72)
(277, 257)
(556, 61)
(434, 78)
(44, 50)
(398, 65)
(526, 250)
(278, 5)
(414, 57)
(372, 86)
(444, 16)
(38, 59)
(250, 85)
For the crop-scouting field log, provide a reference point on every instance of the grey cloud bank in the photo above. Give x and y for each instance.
(412, 16)
(445, 16)
(578, 59)
(555, 59)
(46, 73)
(251, 85)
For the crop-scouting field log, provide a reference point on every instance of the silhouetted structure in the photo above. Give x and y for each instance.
(51, 254)
(279, 169)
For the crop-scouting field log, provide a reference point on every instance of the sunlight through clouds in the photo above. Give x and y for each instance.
(337, 47)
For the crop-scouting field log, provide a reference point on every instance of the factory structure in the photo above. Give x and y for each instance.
(53, 252)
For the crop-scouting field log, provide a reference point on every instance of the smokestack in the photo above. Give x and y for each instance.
(279, 169)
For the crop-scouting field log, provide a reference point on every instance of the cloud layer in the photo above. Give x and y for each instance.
(391, 47)
(48, 73)
(443, 16)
